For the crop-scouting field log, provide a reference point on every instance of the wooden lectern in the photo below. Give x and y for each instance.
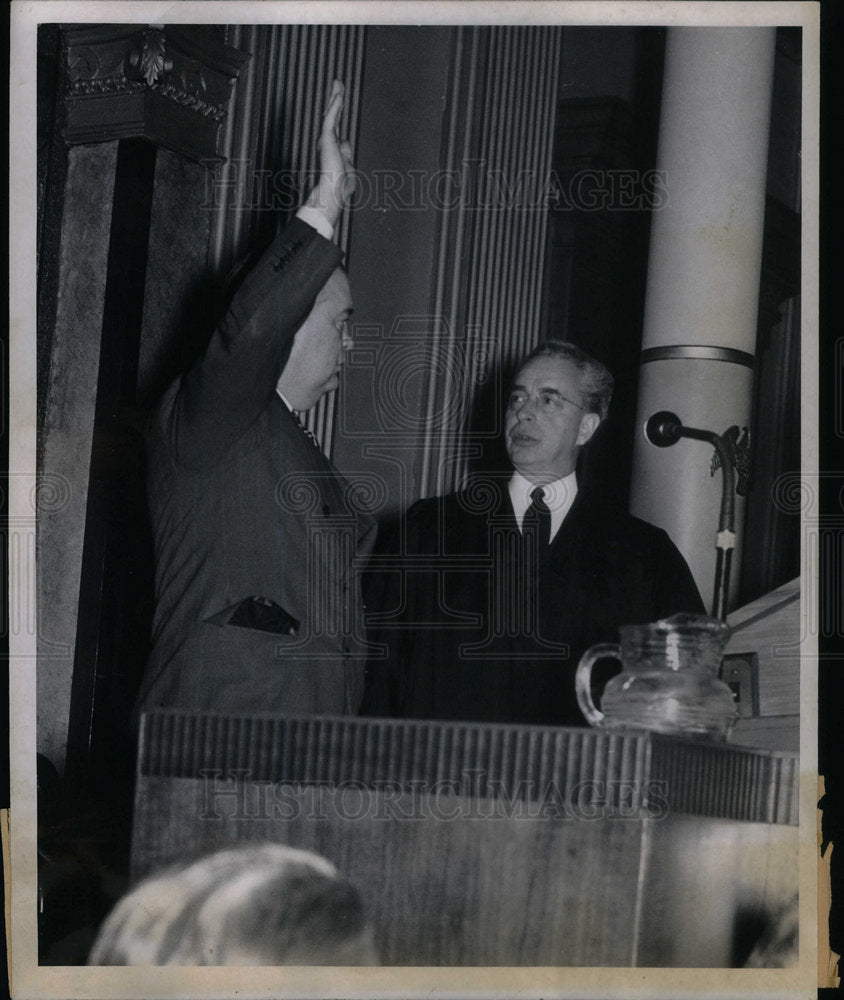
(487, 845)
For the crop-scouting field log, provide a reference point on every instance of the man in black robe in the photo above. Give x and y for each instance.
(486, 600)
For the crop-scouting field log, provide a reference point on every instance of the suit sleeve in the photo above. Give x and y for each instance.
(220, 397)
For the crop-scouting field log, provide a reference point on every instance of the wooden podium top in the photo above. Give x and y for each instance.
(637, 772)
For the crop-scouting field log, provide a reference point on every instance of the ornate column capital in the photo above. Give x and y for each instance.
(168, 84)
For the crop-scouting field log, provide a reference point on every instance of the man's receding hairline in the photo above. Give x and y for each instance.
(548, 357)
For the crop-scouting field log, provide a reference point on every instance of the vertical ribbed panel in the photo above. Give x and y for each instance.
(498, 137)
(722, 780)
(583, 767)
(272, 126)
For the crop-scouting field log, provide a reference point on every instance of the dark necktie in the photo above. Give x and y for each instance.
(538, 518)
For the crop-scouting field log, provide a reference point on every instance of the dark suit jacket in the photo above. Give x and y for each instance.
(485, 629)
(244, 505)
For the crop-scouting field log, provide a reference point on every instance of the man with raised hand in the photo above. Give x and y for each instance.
(257, 599)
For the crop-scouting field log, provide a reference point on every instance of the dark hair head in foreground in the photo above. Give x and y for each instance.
(264, 904)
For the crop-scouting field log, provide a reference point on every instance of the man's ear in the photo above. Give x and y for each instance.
(588, 425)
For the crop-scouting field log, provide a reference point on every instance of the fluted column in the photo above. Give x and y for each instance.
(270, 140)
(703, 277)
(499, 130)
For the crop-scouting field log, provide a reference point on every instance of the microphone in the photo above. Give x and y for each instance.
(663, 429)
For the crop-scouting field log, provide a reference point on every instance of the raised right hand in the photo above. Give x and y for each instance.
(336, 185)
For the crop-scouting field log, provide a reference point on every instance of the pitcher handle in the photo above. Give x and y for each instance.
(583, 678)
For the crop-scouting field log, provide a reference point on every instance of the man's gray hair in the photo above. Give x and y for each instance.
(596, 383)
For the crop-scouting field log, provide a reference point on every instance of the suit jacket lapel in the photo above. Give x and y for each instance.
(573, 526)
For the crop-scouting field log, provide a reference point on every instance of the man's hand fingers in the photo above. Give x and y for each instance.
(337, 87)
(335, 106)
(336, 183)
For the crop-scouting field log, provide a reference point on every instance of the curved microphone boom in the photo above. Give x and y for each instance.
(665, 428)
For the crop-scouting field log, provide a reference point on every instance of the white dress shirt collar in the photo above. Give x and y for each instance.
(559, 496)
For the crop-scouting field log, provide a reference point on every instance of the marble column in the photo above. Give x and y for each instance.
(116, 87)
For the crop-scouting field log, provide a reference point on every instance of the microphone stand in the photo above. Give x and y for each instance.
(664, 429)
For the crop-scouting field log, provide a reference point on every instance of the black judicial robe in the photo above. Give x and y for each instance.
(471, 622)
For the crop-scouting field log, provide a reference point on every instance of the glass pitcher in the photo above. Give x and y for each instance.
(669, 681)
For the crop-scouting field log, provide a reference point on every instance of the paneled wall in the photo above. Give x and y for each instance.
(498, 138)
(423, 391)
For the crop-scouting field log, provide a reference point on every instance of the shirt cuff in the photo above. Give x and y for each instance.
(313, 217)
